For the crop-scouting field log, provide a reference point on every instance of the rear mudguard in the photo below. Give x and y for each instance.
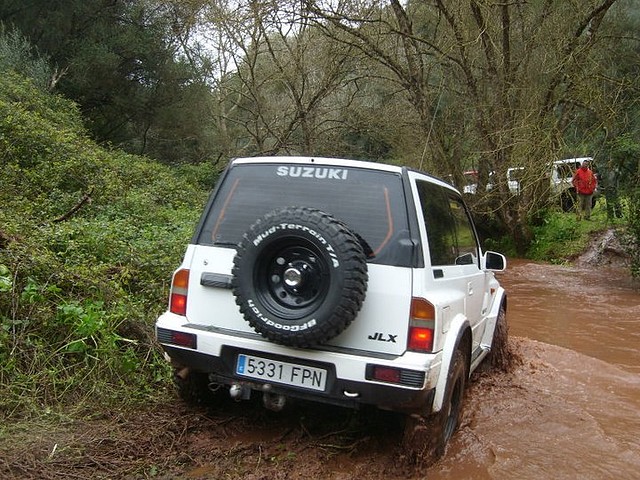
(459, 324)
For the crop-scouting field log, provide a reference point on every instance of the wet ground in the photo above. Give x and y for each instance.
(570, 409)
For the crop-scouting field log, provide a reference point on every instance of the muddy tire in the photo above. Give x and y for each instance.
(500, 357)
(425, 438)
(299, 276)
(567, 201)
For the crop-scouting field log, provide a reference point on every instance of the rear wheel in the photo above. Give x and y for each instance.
(426, 438)
(452, 406)
(567, 201)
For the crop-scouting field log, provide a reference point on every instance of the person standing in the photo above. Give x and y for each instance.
(585, 183)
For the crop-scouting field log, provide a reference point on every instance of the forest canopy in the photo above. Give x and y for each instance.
(441, 86)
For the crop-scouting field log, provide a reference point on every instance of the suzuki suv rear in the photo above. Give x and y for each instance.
(336, 281)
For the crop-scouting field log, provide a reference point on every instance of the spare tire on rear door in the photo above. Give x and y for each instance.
(299, 276)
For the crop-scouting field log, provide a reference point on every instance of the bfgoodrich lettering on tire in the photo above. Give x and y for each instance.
(299, 276)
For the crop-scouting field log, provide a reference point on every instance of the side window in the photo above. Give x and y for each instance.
(466, 243)
(451, 237)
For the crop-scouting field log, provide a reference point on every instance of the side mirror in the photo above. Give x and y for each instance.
(495, 261)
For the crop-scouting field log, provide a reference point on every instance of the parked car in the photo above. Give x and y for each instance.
(514, 178)
(337, 281)
(471, 182)
(560, 176)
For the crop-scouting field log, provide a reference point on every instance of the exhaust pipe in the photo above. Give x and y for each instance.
(274, 402)
(183, 373)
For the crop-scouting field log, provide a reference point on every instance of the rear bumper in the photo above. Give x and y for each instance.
(347, 373)
(345, 393)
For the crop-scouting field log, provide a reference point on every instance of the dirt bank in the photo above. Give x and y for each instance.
(607, 248)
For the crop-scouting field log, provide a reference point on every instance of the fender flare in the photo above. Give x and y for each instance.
(492, 318)
(459, 324)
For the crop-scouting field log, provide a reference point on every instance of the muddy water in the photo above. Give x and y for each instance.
(591, 310)
(571, 407)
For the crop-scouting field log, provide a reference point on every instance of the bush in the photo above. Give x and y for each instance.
(634, 230)
(88, 240)
(17, 54)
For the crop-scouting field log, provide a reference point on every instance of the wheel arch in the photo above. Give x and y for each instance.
(463, 341)
(499, 303)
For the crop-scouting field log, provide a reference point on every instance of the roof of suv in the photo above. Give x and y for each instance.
(571, 160)
(323, 160)
(337, 162)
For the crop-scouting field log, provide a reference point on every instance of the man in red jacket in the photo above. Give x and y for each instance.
(585, 182)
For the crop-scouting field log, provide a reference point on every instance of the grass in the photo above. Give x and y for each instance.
(562, 237)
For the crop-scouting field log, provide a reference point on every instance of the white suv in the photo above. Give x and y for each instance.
(560, 176)
(562, 172)
(337, 281)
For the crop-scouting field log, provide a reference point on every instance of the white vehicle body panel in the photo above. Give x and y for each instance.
(386, 306)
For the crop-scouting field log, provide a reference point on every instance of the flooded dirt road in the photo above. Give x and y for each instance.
(572, 408)
(591, 310)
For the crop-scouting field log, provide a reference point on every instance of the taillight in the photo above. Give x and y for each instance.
(399, 376)
(172, 337)
(188, 340)
(386, 374)
(178, 295)
(421, 326)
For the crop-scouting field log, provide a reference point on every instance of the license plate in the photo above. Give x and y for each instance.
(281, 372)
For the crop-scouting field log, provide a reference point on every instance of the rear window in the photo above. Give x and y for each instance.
(370, 202)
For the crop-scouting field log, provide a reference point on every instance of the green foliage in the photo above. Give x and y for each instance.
(17, 54)
(118, 60)
(88, 241)
(625, 158)
(634, 230)
(5, 279)
(562, 237)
